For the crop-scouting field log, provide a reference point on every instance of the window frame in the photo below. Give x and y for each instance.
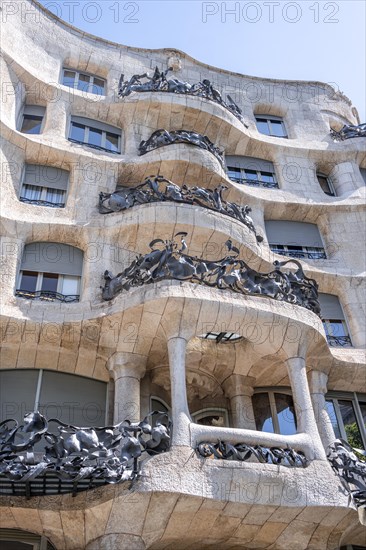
(42, 200)
(211, 411)
(354, 398)
(272, 404)
(332, 192)
(300, 252)
(87, 129)
(333, 341)
(39, 282)
(254, 183)
(269, 119)
(90, 84)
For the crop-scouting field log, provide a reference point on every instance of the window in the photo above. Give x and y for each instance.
(326, 184)
(84, 82)
(347, 413)
(44, 186)
(363, 174)
(271, 126)
(16, 539)
(95, 134)
(211, 417)
(251, 171)
(50, 271)
(274, 412)
(334, 322)
(221, 337)
(32, 120)
(70, 398)
(295, 239)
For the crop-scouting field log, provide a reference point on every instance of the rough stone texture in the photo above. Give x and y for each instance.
(182, 501)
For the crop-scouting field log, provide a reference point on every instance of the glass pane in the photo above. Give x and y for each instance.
(29, 281)
(277, 128)
(267, 177)
(31, 124)
(73, 399)
(329, 405)
(349, 422)
(262, 126)
(98, 86)
(111, 142)
(262, 412)
(95, 137)
(363, 412)
(17, 392)
(69, 79)
(251, 175)
(212, 419)
(31, 192)
(83, 83)
(49, 282)
(234, 174)
(70, 285)
(285, 413)
(11, 545)
(77, 132)
(335, 327)
(55, 196)
(323, 182)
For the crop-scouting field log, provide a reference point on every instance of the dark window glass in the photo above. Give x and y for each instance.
(212, 420)
(263, 127)
(363, 412)
(69, 79)
(277, 128)
(11, 545)
(95, 137)
(98, 86)
(262, 412)
(111, 142)
(324, 184)
(77, 131)
(83, 83)
(49, 282)
(29, 281)
(285, 414)
(350, 424)
(31, 124)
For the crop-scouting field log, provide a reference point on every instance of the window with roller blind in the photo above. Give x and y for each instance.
(50, 271)
(334, 321)
(251, 171)
(32, 119)
(295, 239)
(44, 186)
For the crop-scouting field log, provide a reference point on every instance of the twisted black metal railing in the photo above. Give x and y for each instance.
(160, 189)
(171, 262)
(243, 452)
(300, 254)
(159, 83)
(72, 458)
(256, 183)
(348, 131)
(161, 138)
(339, 341)
(350, 469)
(47, 295)
(39, 202)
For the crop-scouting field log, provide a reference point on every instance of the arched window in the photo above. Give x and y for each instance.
(51, 271)
(274, 411)
(16, 539)
(211, 417)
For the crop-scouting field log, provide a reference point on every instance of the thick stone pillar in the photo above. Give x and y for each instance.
(239, 389)
(180, 413)
(127, 370)
(306, 423)
(318, 388)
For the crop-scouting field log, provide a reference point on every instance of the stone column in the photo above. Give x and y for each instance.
(180, 412)
(239, 389)
(127, 370)
(318, 388)
(306, 423)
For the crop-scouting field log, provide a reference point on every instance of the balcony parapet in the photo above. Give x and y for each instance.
(160, 83)
(160, 189)
(78, 458)
(171, 262)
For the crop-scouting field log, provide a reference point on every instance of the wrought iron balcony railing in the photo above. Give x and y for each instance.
(39, 202)
(317, 254)
(255, 183)
(47, 295)
(339, 341)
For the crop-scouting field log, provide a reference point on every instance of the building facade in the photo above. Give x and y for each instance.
(184, 240)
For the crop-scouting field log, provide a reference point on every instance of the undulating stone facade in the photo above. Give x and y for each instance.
(109, 311)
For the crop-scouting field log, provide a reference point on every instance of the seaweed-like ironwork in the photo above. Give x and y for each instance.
(169, 261)
(109, 454)
(159, 82)
(350, 469)
(348, 131)
(242, 452)
(159, 189)
(161, 138)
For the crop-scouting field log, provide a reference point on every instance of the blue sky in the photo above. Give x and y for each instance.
(303, 40)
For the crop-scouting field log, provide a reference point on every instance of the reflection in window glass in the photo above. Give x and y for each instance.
(77, 132)
(350, 424)
(277, 128)
(111, 142)
(363, 413)
(83, 83)
(49, 282)
(263, 127)
(285, 414)
(262, 412)
(98, 86)
(95, 137)
(69, 79)
(70, 285)
(333, 418)
(31, 124)
(29, 281)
